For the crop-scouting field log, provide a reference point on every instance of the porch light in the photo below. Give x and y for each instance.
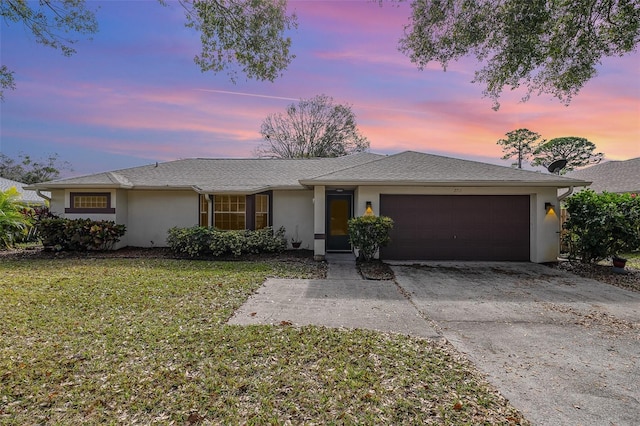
(369, 210)
(548, 207)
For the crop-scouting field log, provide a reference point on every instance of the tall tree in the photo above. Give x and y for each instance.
(578, 152)
(28, 170)
(520, 144)
(314, 127)
(547, 46)
(244, 34)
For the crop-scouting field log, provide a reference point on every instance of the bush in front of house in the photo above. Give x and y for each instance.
(368, 234)
(79, 234)
(15, 223)
(600, 226)
(200, 241)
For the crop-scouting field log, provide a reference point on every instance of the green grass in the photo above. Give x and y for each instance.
(633, 259)
(131, 341)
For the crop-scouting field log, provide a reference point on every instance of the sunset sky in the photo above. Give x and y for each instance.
(133, 95)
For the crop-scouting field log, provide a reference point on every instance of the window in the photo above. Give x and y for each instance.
(90, 202)
(204, 210)
(229, 211)
(262, 211)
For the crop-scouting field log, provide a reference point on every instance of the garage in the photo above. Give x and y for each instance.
(457, 227)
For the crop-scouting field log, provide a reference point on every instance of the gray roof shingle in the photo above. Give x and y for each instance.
(217, 175)
(416, 168)
(612, 176)
(256, 175)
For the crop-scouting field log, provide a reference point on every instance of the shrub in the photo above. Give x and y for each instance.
(14, 222)
(36, 215)
(369, 233)
(602, 225)
(79, 234)
(199, 241)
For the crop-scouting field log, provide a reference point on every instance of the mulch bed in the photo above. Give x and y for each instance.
(603, 273)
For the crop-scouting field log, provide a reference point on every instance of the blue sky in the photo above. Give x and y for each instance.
(133, 95)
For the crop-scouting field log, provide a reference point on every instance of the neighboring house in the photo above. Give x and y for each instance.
(612, 176)
(443, 208)
(28, 196)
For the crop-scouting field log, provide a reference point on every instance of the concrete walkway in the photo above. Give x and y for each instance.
(344, 299)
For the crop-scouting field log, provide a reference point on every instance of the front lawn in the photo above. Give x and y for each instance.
(144, 341)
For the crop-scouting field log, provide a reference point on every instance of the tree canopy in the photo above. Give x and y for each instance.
(244, 34)
(28, 170)
(578, 152)
(52, 23)
(549, 47)
(520, 144)
(315, 127)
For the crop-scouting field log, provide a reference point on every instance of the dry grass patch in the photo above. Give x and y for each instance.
(137, 341)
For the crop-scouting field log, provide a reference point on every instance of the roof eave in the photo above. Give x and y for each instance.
(45, 186)
(475, 183)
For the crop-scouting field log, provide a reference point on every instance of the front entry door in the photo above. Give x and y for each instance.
(338, 214)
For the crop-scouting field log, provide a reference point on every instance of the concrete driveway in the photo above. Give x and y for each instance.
(564, 350)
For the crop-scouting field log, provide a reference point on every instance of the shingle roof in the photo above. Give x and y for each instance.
(217, 175)
(416, 168)
(255, 175)
(612, 176)
(28, 196)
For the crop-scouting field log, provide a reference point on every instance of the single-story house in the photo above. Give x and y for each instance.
(611, 176)
(443, 208)
(28, 196)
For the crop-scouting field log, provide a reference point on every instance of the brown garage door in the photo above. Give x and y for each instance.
(457, 227)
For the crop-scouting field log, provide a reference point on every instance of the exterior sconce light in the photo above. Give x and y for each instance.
(369, 210)
(548, 207)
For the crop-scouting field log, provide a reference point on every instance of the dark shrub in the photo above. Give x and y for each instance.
(602, 225)
(199, 241)
(79, 234)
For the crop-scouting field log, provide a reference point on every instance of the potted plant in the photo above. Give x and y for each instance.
(618, 262)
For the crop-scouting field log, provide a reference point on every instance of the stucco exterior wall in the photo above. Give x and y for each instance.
(291, 209)
(544, 226)
(152, 213)
(56, 205)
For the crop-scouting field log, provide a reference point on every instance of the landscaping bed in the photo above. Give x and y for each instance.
(603, 273)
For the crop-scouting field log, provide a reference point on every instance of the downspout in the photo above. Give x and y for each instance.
(566, 194)
(41, 195)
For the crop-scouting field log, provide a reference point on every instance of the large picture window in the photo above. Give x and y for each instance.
(90, 202)
(230, 212)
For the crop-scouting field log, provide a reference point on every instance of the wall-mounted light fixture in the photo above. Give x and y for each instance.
(548, 207)
(368, 210)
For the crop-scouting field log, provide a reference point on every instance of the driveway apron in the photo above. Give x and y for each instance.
(563, 349)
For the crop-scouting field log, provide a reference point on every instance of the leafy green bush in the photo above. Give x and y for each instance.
(369, 233)
(79, 234)
(14, 220)
(602, 225)
(199, 241)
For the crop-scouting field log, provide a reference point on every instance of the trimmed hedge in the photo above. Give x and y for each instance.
(369, 233)
(79, 234)
(199, 241)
